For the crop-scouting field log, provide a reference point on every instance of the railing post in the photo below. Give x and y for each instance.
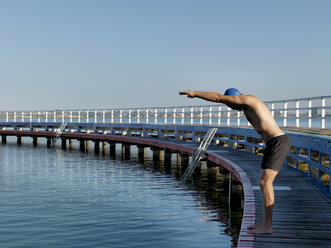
(309, 113)
(38, 116)
(147, 117)
(297, 114)
(7, 117)
(70, 116)
(30, 117)
(54, 116)
(138, 116)
(14, 116)
(87, 116)
(219, 115)
(228, 119)
(121, 116)
(210, 114)
(273, 110)
(22, 116)
(191, 115)
(165, 116)
(238, 118)
(95, 116)
(62, 116)
(103, 116)
(183, 115)
(112, 116)
(130, 116)
(323, 113)
(155, 113)
(46, 116)
(174, 116)
(285, 114)
(79, 116)
(201, 114)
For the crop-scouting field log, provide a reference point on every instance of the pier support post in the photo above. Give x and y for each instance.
(70, 144)
(87, 143)
(82, 145)
(104, 145)
(112, 149)
(167, 157)
(156, 154)
(197, 170)
(213, 171)
(179, 159)
(185, 160)
(49, 142)
(167, 160)
(4, 139)
(126, 151)
(64, 143)
(141, 153)
(96, 146)
(35, 141)
(19, 140)
(203, 169)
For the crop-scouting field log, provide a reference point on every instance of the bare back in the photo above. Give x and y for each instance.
(261, 119)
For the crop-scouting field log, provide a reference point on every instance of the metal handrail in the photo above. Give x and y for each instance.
(60, 130)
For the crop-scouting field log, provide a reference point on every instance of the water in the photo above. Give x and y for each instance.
(55, 198)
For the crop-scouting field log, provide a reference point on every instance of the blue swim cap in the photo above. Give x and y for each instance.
(231, 92)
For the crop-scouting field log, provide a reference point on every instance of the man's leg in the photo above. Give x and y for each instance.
(268, 199)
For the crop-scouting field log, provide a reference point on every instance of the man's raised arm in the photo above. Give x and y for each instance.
(217, 97)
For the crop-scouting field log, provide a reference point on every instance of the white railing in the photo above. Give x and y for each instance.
(312, 112)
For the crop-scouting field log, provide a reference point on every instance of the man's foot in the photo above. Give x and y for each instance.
(261, 230)
(255, 225)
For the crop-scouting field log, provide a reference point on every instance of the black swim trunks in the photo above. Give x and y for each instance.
(275, 152)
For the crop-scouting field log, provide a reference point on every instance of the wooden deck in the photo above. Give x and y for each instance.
(302, 215)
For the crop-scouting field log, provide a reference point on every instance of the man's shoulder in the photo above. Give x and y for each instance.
(250, 99)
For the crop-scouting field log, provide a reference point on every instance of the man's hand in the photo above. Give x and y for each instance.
(189, 93)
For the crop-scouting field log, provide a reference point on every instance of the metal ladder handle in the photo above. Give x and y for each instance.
(198, 154)
(60, 130)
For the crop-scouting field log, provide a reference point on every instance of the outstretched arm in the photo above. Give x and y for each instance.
(208, 96)
(217, 97)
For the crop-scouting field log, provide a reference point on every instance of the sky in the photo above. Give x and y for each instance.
(79, 54)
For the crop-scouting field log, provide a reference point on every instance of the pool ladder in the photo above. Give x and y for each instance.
(198, 154)
(60, 130)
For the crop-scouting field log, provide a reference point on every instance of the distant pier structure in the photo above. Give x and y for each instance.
(236, 147)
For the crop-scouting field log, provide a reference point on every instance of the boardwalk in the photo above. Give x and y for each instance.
(302, 215)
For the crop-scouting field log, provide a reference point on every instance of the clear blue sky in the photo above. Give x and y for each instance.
(64, 54)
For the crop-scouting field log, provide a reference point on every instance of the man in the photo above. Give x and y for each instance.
(275, 152)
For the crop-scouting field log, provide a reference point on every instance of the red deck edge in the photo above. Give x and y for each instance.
(246, 240)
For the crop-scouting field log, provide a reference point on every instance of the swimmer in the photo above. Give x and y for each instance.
(275, 152)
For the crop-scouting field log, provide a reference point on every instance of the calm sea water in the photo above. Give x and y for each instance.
(55, 198)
